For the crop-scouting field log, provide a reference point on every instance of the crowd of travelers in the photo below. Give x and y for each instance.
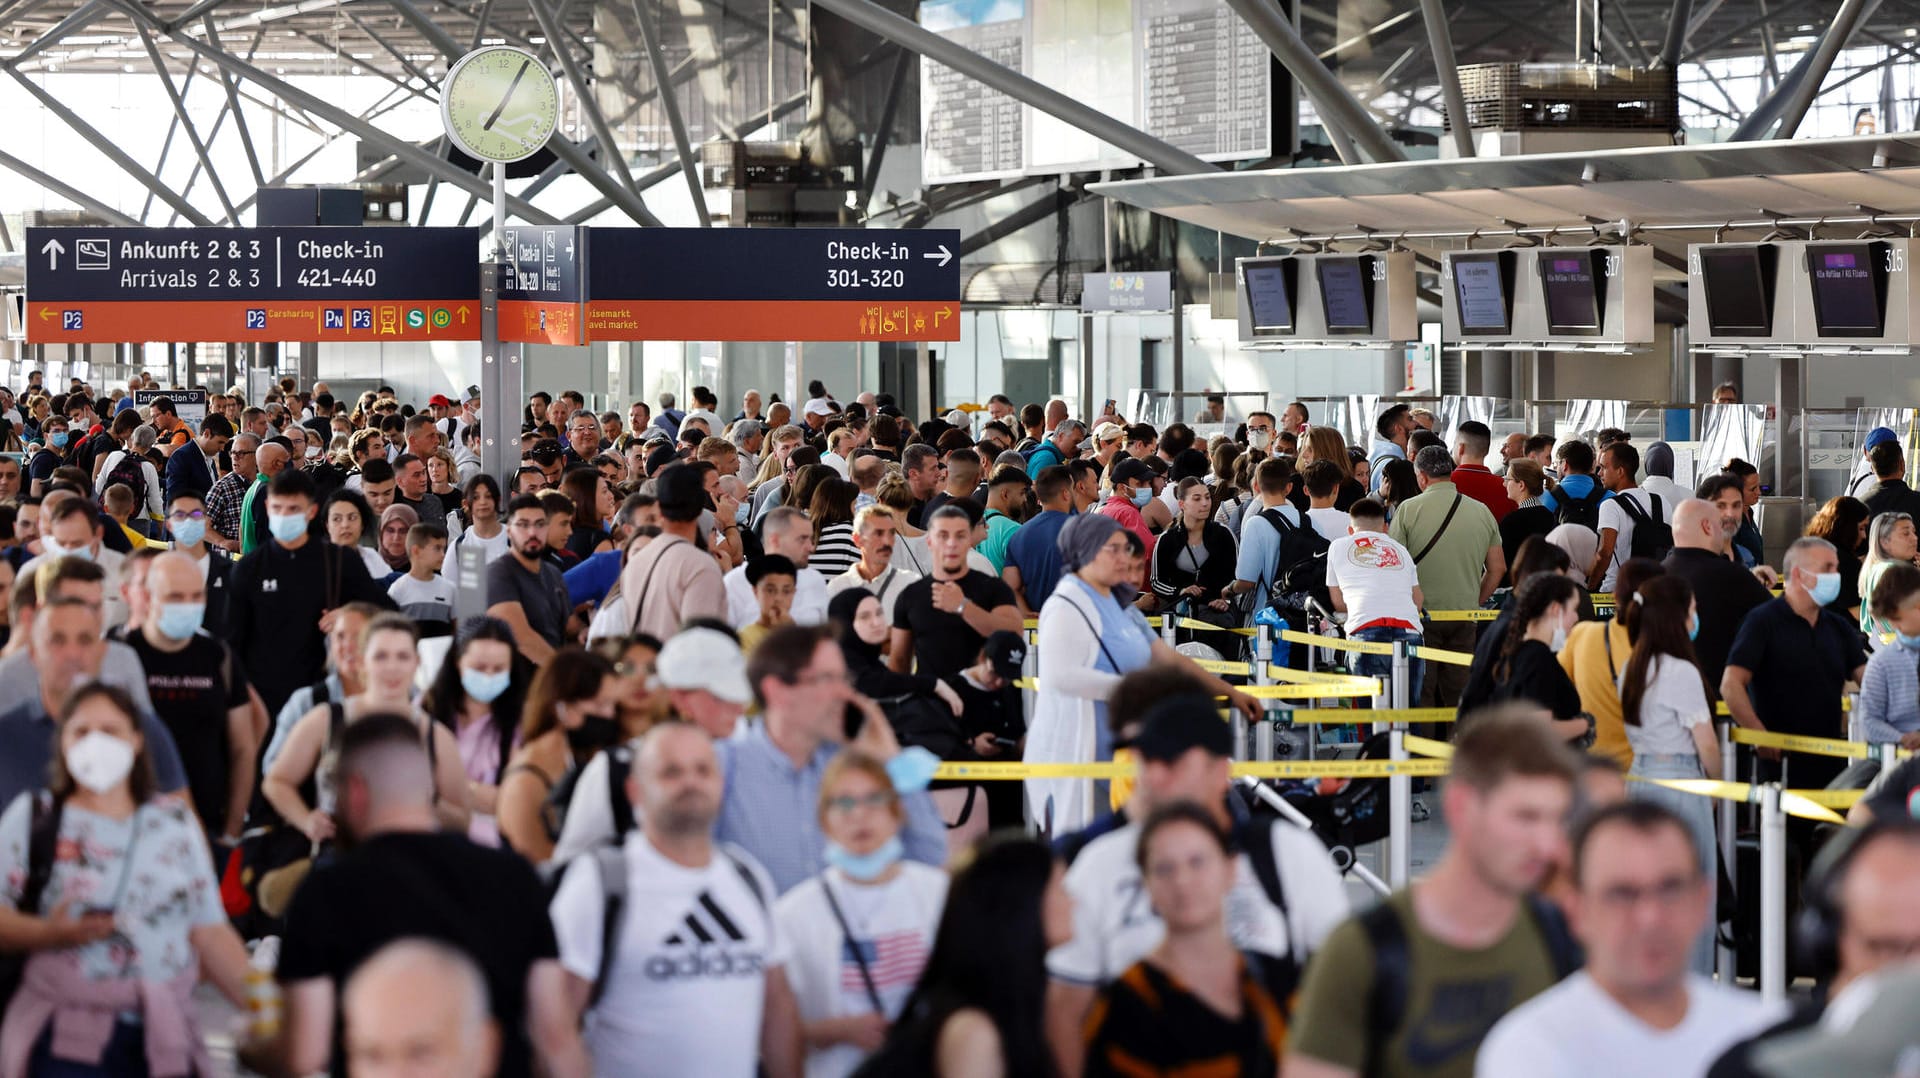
(653, 790)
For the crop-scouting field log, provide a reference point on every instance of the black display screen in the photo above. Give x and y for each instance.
(1739, 290)
(1571, 283)
(1480, 293)
(1346, 293)
(1270, 294)
(1849, 288)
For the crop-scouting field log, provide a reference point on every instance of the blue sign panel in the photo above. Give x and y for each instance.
(832, 264)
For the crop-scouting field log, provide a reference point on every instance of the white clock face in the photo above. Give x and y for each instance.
(499, 104)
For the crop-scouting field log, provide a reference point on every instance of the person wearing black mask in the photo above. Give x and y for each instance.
(569, 717)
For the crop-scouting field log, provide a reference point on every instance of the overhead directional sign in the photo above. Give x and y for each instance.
(767, 284)
(109, 285)
(542, 286)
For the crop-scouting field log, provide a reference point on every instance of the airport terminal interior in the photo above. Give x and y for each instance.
(963, 538)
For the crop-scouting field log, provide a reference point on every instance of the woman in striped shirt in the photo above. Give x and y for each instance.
(831, 512)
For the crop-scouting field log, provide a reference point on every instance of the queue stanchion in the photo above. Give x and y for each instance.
(1399, 787)
(1262, 659)
(1773, 895)
(1263, 737)
(1729, 845)
(1168, 621)
(1856, 726)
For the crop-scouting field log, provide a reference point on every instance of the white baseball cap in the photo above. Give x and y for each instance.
(700, 658)
(819, 406)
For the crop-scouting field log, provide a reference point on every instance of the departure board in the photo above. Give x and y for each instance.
(1205, 77)
(967, 130)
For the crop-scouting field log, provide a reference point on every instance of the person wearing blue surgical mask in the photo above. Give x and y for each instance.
(192, 678)
(52, 454)
(1889, 707)
(1132, 490)
(477, 695)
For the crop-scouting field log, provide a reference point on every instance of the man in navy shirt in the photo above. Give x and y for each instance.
(67, 649)
(188, 470)
(1033, 554)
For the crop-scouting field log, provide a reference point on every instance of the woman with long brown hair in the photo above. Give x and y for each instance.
(571, 713)
(1668, 708)
(1526, 666)
(831, 512)
(1326, 443)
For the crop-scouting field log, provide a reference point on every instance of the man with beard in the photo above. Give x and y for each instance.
(942, 619)
(400, 876)
(524, 589)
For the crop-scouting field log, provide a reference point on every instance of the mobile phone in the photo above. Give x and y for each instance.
(1005, 742)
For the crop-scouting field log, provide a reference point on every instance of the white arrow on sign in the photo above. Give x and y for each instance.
(942, 256)
(54, 249)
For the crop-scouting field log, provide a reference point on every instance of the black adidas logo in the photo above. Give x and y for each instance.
(706, 944)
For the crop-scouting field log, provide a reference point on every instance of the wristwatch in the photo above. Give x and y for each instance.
(963, 605)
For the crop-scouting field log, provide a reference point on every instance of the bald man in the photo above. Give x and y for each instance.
(419, 1009)
(1724, 591)
(272, 458)
(198, 694)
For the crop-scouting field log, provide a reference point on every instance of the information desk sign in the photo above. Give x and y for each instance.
(343, 283)
(768, 284)
(542, 285)
(189, 404)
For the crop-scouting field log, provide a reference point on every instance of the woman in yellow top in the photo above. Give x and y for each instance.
(1595, 654)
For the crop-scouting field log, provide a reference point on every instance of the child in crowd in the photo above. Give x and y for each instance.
(1889, 707)
(118, 503)
(1323, 480)
(773, 578)
(421, 592)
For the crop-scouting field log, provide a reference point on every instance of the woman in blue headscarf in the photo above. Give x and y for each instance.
(1089, 637)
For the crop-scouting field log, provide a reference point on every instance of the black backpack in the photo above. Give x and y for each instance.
(1393, 966)
(128, 472)
(43, 833)
(1300, 572)
(1652, 535)
(1582, 511)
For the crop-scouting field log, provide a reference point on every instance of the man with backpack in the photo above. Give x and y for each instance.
(1273, 535)
(1411, 987)
(404, 877)
(1059, 447)
(1457, 553)
(1576, 498)
(1286, 895)
(1633, 523)
(668, 940)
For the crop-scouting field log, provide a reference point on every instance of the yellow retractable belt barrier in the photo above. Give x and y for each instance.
(1442, 655)
(1275, 769)
(1338, 716)
(1810, 804)
(1463, 615)
(1312, 691)
(1723, 711)
(1815, 746)
(1358, 647)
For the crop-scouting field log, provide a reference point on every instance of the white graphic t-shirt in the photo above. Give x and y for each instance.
(1376, 578)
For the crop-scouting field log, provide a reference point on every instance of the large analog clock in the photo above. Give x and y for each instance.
(499, 104)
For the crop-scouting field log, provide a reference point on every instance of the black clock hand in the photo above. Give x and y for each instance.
(511, 87)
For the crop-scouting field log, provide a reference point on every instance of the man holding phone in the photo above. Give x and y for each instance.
(808, 712)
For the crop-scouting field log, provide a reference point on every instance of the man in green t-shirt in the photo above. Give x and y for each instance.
(1410, 989)
(1456, 549)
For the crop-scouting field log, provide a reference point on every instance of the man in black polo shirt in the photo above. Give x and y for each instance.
(1723, 591)
(524, 589)
(943, 618)
(1790, 662)
(282, 596)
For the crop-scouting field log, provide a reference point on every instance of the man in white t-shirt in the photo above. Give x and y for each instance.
(1372, 578)
(874, 529)
(786, 532)
(1619, 463)
(1639, 900)
(697, 984)
(1185, 754)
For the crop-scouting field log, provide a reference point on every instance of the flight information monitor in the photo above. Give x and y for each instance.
(1346, 294)
(1571, 283)
(1270, 291)
(1480, 291)
(1739, 289)
(1849, 288)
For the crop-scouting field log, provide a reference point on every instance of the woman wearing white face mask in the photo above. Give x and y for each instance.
(886, 907)
(300, 784)
(113, 893)
(1527, 665)
(477, 695)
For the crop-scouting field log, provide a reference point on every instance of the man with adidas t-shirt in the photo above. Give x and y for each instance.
(1619, 463)
(688, 978)
(1286, 897)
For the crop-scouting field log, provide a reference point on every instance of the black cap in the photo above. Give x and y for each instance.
(1190, 720)
(1007, 651)
(1131, 470)
(681, 491)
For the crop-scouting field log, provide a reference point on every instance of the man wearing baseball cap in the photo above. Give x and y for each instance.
(1132, 490)
(1862, 482)
(1287, 891)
